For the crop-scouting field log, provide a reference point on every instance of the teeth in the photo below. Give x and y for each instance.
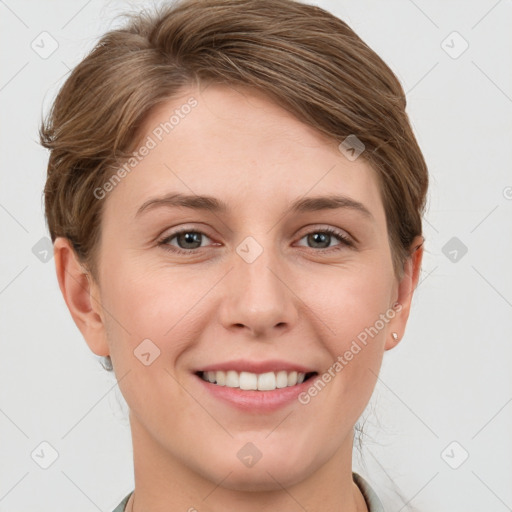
(267, 381)
(232, 379)
(220, 378)
(248, 380)
(282, 379)
(252, 381)
(292, 378)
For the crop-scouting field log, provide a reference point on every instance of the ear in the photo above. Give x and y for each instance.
(81, 295)
(406, 288)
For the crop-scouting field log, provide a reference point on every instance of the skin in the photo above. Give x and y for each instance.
(300, 301)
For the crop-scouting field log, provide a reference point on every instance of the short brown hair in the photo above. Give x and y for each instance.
(301, 56)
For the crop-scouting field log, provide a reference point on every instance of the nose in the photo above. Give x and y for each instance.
(258, 296)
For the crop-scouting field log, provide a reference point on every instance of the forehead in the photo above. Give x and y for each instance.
(239, 145)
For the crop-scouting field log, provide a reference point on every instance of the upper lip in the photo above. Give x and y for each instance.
(243, 365)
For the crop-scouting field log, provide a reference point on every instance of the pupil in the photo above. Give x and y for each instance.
(191, 238)
(322, 236)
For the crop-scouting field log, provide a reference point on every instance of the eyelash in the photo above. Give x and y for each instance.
(164, 243)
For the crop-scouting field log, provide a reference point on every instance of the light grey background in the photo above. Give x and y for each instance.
(448, 380)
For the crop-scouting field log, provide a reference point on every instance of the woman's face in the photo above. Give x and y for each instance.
(252, 284)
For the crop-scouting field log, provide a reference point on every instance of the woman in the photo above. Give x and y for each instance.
(235, 197)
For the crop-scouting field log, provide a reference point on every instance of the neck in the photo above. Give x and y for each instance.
(165, 484)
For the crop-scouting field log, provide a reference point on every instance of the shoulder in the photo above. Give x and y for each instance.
(372, 500)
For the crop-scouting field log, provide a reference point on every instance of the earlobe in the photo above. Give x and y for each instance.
(406, 288)
(79, 293)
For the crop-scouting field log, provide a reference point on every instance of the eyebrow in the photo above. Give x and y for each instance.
(302, 205)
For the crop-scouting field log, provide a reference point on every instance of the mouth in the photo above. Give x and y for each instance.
(248, 381)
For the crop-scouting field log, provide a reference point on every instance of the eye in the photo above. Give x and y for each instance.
(187, 240)
(324, 236)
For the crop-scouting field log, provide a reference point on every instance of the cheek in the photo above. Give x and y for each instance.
(356, 311)
(161, 303)
(147, 317)
(350, 301)
(150, 304)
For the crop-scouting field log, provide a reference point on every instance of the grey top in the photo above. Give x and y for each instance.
(372, 501)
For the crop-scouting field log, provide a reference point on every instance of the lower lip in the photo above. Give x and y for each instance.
(257, 401)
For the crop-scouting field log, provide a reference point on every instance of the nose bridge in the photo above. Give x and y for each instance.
(257, 296)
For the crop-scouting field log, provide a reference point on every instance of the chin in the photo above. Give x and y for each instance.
(268, 477)
(273, 471)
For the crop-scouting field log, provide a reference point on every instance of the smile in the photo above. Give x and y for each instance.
(268, 381)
